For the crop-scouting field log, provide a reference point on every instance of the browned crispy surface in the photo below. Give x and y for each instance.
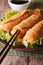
(35, 32)
(26, 25)
(8, 24)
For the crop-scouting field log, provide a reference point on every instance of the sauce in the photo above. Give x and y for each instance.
(19, 2)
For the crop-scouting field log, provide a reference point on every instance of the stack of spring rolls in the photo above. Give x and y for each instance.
(30, 25)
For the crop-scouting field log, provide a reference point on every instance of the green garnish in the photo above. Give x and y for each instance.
(23, 42)
(36, 43)
(10, 13)
(3, 35)
(6, 36)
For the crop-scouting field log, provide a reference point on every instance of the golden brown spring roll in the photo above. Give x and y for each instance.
(34, 33)
(25, 25)
(8, 24)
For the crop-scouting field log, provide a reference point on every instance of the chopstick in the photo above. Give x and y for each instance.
(7, 44)
(5, 50)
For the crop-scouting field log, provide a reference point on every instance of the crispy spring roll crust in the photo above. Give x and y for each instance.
(25, 25)
(14, 20)
(34, 33)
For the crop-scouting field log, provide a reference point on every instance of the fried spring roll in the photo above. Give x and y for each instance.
(25, 25)
(14, 20)
(34, 33)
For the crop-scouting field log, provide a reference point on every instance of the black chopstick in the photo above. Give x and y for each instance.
(8, 48)
(7, 44)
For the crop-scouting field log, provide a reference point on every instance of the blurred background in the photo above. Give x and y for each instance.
(3, 7)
